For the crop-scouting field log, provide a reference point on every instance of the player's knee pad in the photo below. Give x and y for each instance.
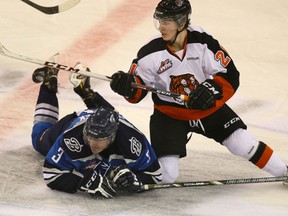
(241, 143)
(169, 167)
(37, 132)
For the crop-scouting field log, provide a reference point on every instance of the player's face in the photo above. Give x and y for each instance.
(168, 28)
(98, 145)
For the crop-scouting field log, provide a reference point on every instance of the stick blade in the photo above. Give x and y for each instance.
(53, 9)
(67, 5)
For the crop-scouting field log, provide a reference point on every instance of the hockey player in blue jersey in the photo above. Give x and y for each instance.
(97, 150)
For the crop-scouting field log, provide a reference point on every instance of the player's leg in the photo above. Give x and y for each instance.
(226, 127)
(169, 167)
(82, 87)
(242, 143)
(48, 77)
(168, 139)
(46, 110)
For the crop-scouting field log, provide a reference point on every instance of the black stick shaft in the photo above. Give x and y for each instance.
(214, 182)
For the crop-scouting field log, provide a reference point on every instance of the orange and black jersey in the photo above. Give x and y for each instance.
(202, 58)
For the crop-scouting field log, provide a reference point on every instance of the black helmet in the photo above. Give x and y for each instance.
(174, 9)
(102, 124)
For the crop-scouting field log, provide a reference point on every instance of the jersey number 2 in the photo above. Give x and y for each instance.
(220, 56)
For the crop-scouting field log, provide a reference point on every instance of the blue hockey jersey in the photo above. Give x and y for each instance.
(70, 158)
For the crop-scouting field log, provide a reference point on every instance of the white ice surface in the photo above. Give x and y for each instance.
(105, 35)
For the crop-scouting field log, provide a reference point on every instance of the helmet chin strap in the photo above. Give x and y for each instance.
(171, 43)
(177, 33)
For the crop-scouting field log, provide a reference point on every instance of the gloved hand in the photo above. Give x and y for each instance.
(80, 82)
(97, 185)
(78, 79)
(204, 96)
(125, 179)
(121, 84)
(82, 86)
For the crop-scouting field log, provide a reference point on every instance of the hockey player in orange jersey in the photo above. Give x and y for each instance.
(186, 59)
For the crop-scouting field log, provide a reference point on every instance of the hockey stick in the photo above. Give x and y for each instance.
(7, 53)
(160, 91)
(213, 182)
(54, 9)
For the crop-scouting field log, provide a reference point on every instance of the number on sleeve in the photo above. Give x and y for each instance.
(57, 157)
(220, 56)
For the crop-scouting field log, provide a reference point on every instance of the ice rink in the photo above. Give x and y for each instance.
(106, 35)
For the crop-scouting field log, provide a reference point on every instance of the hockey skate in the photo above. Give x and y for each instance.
(46, 75)
(286, 181)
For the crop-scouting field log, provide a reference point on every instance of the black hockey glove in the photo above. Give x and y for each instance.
(97, 185)
(125, 179)
(204, 96)
(121, 84)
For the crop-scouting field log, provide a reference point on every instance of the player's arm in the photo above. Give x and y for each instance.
(62, 175)
(220, 65)
(121, 84)
(141, 165)
(61, 179)
(59, 171)
(91, 182)
(144, 163)
(130, 178)
(224, 81)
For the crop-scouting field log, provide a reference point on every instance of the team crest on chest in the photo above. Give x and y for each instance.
(165, 65)
(73, 144)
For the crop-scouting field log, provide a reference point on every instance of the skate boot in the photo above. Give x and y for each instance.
(82, 86)
(48, 77)
(286, 181)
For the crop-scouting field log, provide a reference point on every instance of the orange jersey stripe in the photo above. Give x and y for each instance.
(227, 88)
(264, 157)
(187, 114)
(182, 113)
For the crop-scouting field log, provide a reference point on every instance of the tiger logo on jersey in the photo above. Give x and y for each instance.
(183, 84)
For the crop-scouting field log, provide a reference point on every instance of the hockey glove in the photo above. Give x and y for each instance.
(204, 96)
(125, 179)
(97, 185)
(121, 84)
(82, 87)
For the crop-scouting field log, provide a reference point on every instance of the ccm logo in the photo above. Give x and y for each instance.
(210, 87)
(232, 121)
